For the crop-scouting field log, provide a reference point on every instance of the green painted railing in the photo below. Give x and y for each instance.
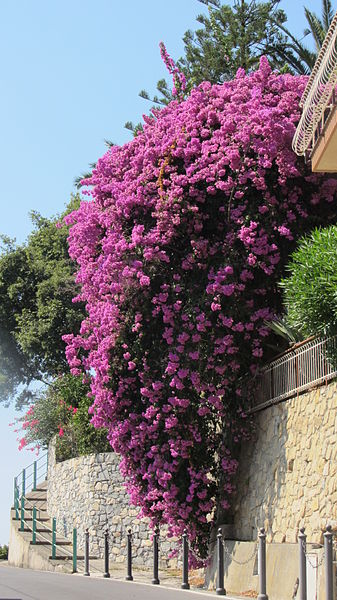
(28, 479)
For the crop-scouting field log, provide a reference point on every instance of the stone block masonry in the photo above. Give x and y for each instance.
(88, 491)
(288, 472)
(287, 479)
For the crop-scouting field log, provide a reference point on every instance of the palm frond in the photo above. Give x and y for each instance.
(316, 28)
(300, 58)
(327, 14)
(78, 180)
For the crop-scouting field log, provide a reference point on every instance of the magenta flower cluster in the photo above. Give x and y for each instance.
(179, 79)
(179, 248)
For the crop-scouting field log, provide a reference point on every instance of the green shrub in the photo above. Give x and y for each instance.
(3, 552)
(310, 290)
(88, 438)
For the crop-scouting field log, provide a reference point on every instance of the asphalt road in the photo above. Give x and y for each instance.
(25, 584)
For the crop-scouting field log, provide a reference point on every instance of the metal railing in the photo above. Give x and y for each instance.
(319, 95)
(28, 479)
(305, 365)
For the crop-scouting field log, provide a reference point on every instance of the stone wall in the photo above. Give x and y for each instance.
(288, 472)
(88, 491)
(287, 479)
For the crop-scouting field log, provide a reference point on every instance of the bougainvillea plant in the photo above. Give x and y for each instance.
(186, 232)
(60, 411)
(49, 416)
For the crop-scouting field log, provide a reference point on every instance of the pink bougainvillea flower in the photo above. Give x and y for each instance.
(179, 249)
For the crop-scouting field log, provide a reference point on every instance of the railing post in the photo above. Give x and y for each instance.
(34, 526)
(106, 554)
(15, 485)
(86, 554)
(185, 585)
(23, 482)
(16, 499)
(328, 535)
(22, 524)
(302, 546)
(74, 550)
(34, 475)
(262, 566)
(17, 514)
(129, 557)
(53, 539)
(220, 589)
(155, 579)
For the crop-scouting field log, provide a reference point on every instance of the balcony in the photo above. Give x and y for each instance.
(316, 133)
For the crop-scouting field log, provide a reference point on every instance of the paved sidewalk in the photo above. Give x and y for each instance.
(26, 584)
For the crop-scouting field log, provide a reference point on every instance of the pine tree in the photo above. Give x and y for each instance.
(230, 38)
(234, 37)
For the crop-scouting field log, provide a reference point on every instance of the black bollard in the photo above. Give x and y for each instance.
(220, 590)
(185, 585)
(302, 546)
(86, 554)
(129, 557)
(328, 563)
(155, 579)
(106, 554)
(262, 566)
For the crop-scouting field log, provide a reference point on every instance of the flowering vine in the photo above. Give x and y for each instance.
(42, 421)
(179, 79)
(186, 233)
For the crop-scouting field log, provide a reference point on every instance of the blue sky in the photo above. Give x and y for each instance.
(70, 75)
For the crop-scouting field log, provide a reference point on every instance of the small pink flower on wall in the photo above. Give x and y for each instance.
(180, 248)
(61, 431)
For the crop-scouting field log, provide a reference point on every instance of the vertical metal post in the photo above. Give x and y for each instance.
(22, 525)
(15, 486)
(24, 482)
(262, 566)
(155, 579)
(16, 499)
(53, 539)
(34, 526)
(74, 550)
(220, 589)
(34, 475)
(106, 554)
(86, 554)
(185, 585)
(328, 563)
(129, 557)
(302, 546)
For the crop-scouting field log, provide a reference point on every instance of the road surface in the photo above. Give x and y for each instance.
(26, 584)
